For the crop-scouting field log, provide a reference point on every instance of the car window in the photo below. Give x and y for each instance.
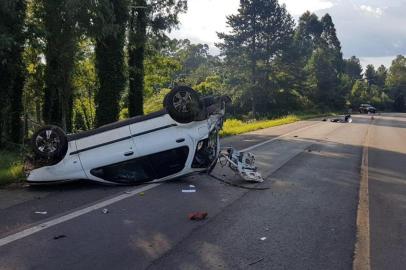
(145, 169)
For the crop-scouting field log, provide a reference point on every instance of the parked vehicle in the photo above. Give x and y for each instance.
(181, 139)
(366, 108)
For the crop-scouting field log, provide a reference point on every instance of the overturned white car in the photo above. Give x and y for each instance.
(181, 139)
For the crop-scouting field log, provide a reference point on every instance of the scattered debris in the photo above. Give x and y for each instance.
(325, 120)
(296, 136)
(257, 261)
(59, 236)
(105, 211)
(127, 192)
(192, 186)
(188, 190)
(310, 150)
(262, 238)
(141, 193)
(242, 163)
(198, 215)
(41, 212)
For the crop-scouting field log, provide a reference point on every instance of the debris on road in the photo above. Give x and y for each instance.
(105, 211)
(41, 212)
(192, 186)
(198, 215)
(59, 236)
(242, 163)
(262, 238)
(141, 193)
(188, 190)
(257, 261)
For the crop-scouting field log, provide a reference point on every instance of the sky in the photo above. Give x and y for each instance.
(372, 30)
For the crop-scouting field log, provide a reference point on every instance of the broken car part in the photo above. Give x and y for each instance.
(242, 163)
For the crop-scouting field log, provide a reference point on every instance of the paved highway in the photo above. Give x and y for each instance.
(309, 218)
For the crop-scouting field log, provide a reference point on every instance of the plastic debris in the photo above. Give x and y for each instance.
(105, 211)
(141, 194)
(198, 215)
(188, 190)
(41, 212)
(262, 238)
(192, 186)
(59, 236)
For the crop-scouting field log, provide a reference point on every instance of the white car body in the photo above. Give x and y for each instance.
(122, 146)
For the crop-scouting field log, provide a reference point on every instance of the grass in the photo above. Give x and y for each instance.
(234, 127)
(11, 168)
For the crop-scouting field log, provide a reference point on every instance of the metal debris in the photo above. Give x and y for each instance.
(59, 236)
(198, 215)
(105, 211)
(41, 212)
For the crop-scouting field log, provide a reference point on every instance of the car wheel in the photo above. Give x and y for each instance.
(50, 144)
(182, 104)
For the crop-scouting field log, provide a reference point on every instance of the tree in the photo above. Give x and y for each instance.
(61, 20)
(396, 83)
(151, 18)
(353, 68)
(12, 38)
(381, 75)
(109, 32)
(330, 40)
(370, 75)
(259, 32)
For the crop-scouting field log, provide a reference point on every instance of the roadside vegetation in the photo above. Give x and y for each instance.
(11, 168)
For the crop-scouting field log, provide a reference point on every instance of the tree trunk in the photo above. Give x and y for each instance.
(16, 105)
(136, 53)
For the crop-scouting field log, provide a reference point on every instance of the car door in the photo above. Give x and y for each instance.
(106, 148)
(164, 143)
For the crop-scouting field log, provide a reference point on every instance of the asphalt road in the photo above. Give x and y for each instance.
(307, 219)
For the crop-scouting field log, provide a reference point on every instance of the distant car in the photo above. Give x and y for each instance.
(179, 140)
(366, 108)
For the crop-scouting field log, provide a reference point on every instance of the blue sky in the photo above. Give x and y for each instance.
(373, 30)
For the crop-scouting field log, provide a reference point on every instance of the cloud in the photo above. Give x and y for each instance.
(368, 28)
(375, 11)
(206, 17)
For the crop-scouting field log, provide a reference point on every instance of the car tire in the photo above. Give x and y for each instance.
(183, 104)
(50, 144)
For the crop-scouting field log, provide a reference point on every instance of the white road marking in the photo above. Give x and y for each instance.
(362, 259)
(42, 226)
(11, 238)
(277, 138)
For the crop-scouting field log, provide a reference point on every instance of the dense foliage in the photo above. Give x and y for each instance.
(82, 64)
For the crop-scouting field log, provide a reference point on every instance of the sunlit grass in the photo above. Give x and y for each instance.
(11, 168)
(234, 127)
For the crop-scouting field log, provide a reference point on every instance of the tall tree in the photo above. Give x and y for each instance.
(330, 40)
(259, 32)
(12, 38)
(110, 26)
(353, 68)
(147, 18)
(370, 75)
(396, 83)
(61, 26)
(381, 75)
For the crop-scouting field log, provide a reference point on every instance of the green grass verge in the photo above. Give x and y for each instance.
(234, 127)
(11, 168)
